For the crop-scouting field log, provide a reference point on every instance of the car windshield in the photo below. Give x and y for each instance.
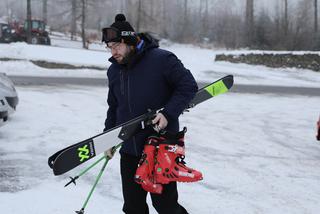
(37, 25)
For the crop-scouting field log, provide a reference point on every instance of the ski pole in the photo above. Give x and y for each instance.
(94, 186)
(73, 179)
(107, 158)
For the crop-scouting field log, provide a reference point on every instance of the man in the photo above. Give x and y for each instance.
(143, 77)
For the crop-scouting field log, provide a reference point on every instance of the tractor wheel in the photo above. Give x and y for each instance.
(34, 40)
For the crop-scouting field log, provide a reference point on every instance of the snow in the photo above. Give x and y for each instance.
(258, 154)
(27, 68)
(199, 60)
(73, 56)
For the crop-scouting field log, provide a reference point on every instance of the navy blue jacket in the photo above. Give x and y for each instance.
(153, 79)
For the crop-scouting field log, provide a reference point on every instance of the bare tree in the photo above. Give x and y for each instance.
(249, 22)
(73, 19)
(138, 23)
(286, 22)
(29, 21)
(164, 11)
(315, 17)
(45, 11)
(185, 13)
(152, 8)
(205, 19)
(83, 22)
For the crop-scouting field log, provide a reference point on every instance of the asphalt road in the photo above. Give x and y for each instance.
(238, 88)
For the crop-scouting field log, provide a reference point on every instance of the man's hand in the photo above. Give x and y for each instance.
(109, 153)
(160, 122)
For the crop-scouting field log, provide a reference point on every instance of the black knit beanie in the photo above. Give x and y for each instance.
(122, 25)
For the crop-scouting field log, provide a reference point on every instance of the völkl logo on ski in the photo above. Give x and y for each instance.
(85, 152)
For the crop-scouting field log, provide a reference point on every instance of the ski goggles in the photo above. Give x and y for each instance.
(111, 34)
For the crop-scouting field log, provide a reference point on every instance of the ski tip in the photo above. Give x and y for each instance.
(57, 168)
(50, 162)
(228, 81)
(56, 173)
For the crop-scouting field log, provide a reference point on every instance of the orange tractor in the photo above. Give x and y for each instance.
(39, 35)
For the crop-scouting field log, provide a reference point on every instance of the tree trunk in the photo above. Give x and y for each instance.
(139, 16)
(249, 22)
(29, 21)
(315, 17)
(164, 19)
(83, 21)
(185, 14)
(45, 11)
(152, 8)
(286, 22)
(122, 6)
(73, 19)
(185, 10)
(206, 19)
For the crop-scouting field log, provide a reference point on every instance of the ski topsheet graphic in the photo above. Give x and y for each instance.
(76, 154)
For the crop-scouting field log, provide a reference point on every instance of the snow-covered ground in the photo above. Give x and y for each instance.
(200, 61)
(258, 154)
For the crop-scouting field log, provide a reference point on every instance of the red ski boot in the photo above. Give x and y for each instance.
(145, 171)
(170, 165)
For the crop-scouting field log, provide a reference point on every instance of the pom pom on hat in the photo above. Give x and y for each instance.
(120, 18)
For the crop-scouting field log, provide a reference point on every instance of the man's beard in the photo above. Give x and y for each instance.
(128, 56)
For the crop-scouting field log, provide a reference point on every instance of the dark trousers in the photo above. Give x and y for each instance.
(135, 197)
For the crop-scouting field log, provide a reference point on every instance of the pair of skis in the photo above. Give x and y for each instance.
(79, 153)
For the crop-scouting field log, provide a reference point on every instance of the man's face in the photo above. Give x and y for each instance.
(119, 51)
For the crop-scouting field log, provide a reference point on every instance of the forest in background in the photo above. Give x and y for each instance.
(232, 24)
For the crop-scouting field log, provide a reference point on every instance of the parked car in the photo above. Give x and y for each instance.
(8, 95)
(3, 112)
(5, 33)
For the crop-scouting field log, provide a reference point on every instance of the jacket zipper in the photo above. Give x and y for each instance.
(130, 110)
(121, 83)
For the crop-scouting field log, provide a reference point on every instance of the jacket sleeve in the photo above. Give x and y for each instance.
(110, 121)
(183, 84)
